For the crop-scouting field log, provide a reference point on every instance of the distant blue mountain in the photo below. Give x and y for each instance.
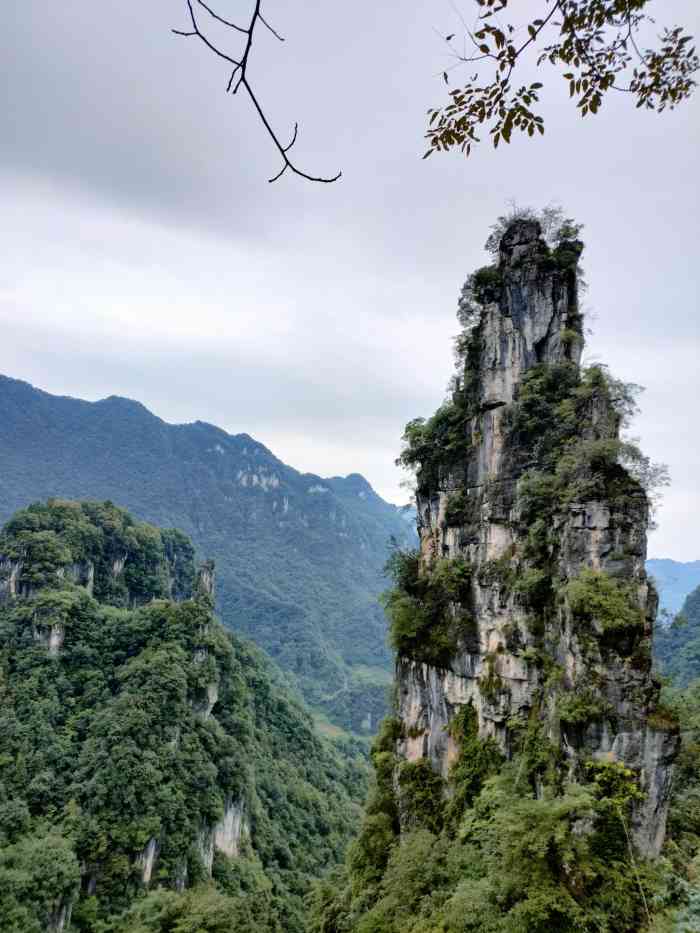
(674, 581)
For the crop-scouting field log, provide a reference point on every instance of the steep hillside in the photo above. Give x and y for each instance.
(144, 746)
(523, 783)
(299, 557)
(677, 646)
(674, 580)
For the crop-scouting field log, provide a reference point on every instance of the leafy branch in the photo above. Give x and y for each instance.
(596, 45)
(239, 75)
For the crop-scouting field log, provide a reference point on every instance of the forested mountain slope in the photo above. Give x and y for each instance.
(143, 746)
(677, 646)
(299, 557)
(674, 580)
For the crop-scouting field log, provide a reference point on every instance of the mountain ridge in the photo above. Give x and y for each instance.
(299, 555)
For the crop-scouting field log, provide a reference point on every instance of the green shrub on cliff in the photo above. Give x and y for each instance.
(477, 760)
(432, 446)
(427, 610)
(595, 597)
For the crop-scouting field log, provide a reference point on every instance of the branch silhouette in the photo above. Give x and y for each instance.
(239, 76)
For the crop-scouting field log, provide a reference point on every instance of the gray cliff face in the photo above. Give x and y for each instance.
(532, 320)
(14, 584)
(10, 577)
(227, 836)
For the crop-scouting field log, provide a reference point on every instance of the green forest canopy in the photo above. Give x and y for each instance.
(113, 736)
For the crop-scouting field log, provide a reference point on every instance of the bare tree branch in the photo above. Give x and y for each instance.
(239, 77)
(220, 19)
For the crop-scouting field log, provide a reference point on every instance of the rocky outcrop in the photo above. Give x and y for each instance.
(147, 859)
(226, 836)
(206, 700)
(59, 918)
(230, 830)
(50, 637)
(204, 586)
(537, 639)
(10, 574)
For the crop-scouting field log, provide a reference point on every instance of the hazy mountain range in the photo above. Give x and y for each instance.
(299, 556)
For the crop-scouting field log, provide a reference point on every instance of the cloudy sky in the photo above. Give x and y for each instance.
(146, 255)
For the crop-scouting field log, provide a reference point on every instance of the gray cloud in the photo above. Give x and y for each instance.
(146, 255)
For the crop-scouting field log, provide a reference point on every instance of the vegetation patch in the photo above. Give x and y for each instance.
(108, 742)
(491, 684)
(427, 608)
(580, 706)
(600, 602)
(421, 795)
(462, 509)
(498, 572)
(486, 284)
(534, 587)
(432, 447)
(478, 760)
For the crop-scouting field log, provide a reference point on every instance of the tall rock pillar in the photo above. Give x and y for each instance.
(522, 485)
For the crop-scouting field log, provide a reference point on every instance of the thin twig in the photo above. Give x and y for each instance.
(273, 31)
(239, 78)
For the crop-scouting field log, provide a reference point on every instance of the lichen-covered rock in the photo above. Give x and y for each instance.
(521, 480)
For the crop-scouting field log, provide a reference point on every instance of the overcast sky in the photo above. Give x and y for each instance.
(146, 255)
